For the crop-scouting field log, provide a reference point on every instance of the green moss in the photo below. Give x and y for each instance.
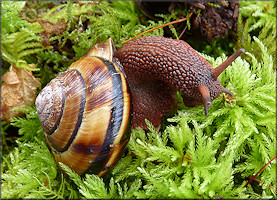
(258, 18)
(193, 156)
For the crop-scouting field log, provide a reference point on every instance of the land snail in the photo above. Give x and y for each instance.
(87, 111)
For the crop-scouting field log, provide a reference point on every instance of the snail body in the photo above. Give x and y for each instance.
(156, 67)
(86, 112)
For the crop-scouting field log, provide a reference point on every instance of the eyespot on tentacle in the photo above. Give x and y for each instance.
(204, 90)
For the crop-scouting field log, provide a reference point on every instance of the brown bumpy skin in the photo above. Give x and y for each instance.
(157, 67)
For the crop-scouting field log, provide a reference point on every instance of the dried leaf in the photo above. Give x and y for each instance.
(18, 90)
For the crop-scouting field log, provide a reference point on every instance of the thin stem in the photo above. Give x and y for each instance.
(152, 29)
(183, 31)
(270, 186)
(259, 172)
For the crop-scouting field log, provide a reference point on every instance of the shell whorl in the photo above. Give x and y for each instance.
(49, 104)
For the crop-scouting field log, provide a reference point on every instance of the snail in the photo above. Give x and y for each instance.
(94, 121)
(85, 112)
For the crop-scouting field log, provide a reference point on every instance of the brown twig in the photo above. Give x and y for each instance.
(183, 31)
(167, 24)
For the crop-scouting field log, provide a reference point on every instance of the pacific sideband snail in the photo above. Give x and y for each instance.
(86, 112)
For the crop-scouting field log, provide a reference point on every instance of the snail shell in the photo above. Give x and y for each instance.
(85, 112)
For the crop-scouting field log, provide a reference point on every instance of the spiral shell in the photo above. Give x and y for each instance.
(85, 112)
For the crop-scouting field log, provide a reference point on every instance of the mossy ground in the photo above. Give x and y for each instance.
(192, 156)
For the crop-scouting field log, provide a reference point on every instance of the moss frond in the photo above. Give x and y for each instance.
(16, 46)
(193, 156)
(258, 18)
